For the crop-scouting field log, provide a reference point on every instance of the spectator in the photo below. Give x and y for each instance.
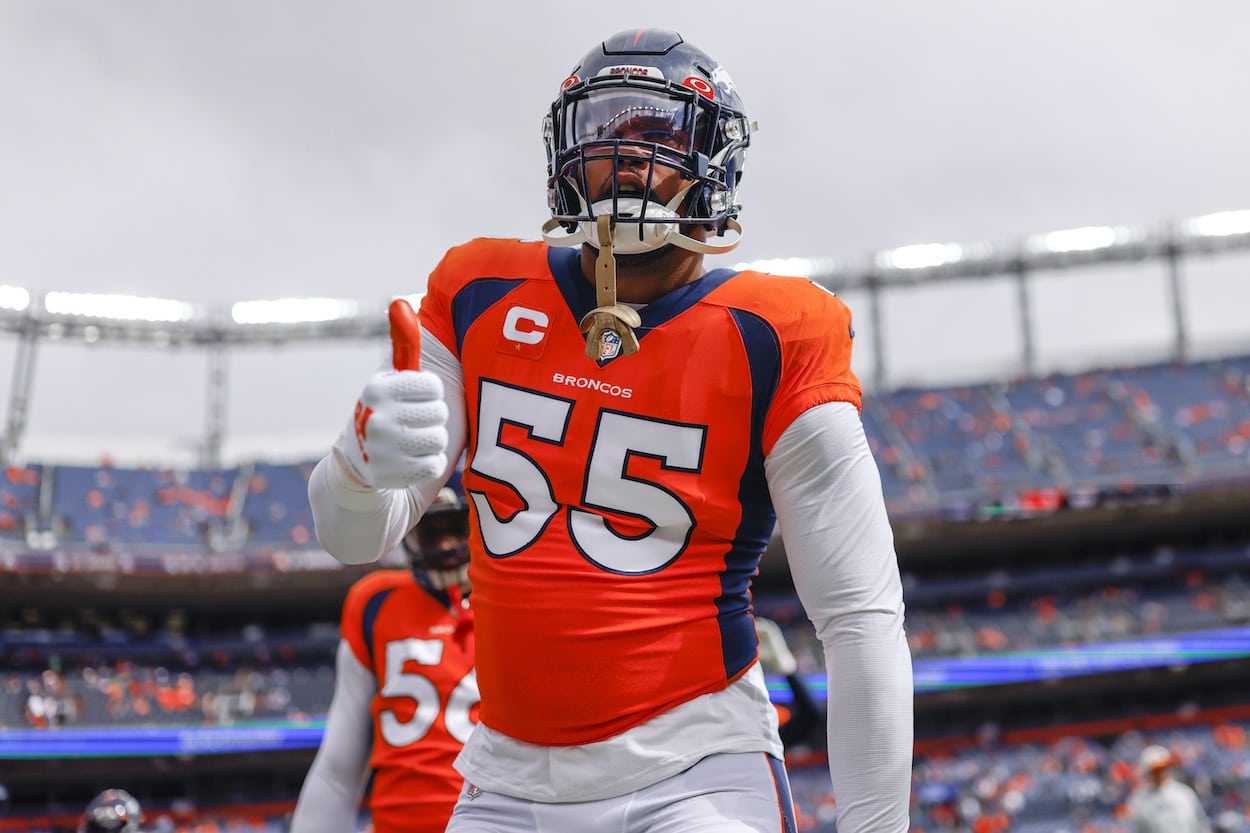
(1162, 804)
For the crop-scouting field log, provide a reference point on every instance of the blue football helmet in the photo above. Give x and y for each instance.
(646, 96)
(112, 811)
(438, 546)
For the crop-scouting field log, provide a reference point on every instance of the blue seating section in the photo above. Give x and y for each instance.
(100, 505)
(936, 449)
(1077, 785)
(19, 499)
(1204, 407)
(276, 507)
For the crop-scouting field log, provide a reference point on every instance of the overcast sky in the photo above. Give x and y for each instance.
(227, 150)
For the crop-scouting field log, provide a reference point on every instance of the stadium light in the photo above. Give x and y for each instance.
(292, 311)
(920, 256)
(1220, 224)
(799, 267)
(14, 298)
(117, 307)
(1084, 239)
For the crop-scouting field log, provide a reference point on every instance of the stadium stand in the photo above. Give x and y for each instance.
(1059, 512)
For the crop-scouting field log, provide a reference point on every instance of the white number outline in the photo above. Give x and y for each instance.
(514, 469)
(618, 437)
(418, 688)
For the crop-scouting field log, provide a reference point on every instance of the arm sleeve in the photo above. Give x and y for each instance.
(329, 801)
(827, 493)
(358, 526)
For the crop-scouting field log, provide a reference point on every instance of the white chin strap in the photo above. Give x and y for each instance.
(635, 238)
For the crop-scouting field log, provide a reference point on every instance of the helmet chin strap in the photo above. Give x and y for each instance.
(636, 238)
(609, 327)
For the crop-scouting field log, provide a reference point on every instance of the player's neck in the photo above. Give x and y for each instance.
(647, 277)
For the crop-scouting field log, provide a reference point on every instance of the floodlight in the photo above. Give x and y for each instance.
(799, 267)
(1220, 224)
(292, 311)
(920, 256)
(14, 298)
(116, 307)
(1084, 239)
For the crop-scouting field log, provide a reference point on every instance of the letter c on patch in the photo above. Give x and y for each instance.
(528, 326)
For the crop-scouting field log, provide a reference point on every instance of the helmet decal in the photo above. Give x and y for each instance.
(631, 69)
(700, 86)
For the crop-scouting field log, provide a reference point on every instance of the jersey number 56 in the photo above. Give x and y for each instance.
(418, 688)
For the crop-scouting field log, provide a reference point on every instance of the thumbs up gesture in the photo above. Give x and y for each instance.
(397, 435)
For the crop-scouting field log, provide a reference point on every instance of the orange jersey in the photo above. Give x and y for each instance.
(426, 701)
(619, 505)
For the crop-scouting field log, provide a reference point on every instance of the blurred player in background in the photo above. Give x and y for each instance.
(635, 425)
(1162, 804)
(405, 696)
(112, 811)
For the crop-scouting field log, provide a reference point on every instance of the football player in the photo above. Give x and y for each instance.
(405, 696)
(635, 424)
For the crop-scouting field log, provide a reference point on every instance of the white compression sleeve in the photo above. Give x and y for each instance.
(329, 801)
(359, 526)
(827, 493)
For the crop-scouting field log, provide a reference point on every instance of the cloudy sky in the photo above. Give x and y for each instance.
(241, 149)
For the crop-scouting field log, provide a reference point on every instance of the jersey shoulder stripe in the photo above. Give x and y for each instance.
(362, 606)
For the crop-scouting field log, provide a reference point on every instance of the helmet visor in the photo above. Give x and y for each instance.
(612, 114)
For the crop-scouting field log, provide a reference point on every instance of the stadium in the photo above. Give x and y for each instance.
(1074, 543)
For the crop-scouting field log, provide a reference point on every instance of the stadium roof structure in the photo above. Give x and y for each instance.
(1056, 250)
(1064, 249)
(162, 323)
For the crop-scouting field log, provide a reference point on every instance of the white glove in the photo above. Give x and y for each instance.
(398, 434)
(775, 655)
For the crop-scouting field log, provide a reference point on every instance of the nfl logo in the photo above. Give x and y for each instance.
(609, 345)
(473, 791)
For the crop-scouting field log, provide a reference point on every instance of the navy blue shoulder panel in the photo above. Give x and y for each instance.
(738, 641)
(680, 300)
(370, 615)
(473, 299)
(566, 267)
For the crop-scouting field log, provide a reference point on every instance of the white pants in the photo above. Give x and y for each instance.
(739, 793)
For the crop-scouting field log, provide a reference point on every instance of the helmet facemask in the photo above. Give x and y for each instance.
(657, 157)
